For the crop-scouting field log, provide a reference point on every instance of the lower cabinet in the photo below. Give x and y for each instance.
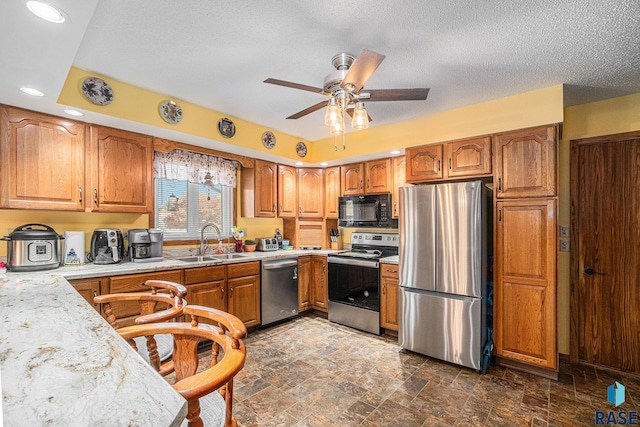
(312, 283)
(88, 288)
(304, 283)
(206, 286)
(389, 296)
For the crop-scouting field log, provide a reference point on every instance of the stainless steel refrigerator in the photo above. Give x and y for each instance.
(445, 245)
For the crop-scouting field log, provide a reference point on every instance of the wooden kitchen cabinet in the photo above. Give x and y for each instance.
(304, 283)
(287, 192)
(88, 288)
(526, 162)
(352, 179)
(389, 296)
(468, 157)
(331, 191)
(119, 171)
(424, 163)
(525, 282)
(310, 192)
(377, 176)
(399, 180)
(259, 190)
(43, 161)
(206, 286)
(319, 278)
(243, 284)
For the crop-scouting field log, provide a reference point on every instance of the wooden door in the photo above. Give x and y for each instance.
(525, 162)
(43, 158)
(352, 179)
(389, 296)
(605, 268)
(287, 192)
(319, 290)
(331, 191)
(399, 180)
(424, 163)
(243, 300)
(525, 276)
(209, 294)
(468, 157)
(265, 189)
(377, 175)
(304, 283)
(121, 171)
(310, 192)
(88, 288)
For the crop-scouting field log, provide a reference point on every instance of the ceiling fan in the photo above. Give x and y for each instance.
(344, 87)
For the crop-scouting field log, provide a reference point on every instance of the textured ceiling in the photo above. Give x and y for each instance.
(217, 53)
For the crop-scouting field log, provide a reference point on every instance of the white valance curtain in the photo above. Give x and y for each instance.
(195, 167)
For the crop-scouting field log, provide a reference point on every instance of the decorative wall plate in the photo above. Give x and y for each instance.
(97, 91)
(171, 112)
(301, 149)
(269, 139)
(226, 127)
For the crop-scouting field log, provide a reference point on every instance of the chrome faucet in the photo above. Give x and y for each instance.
(203, 247)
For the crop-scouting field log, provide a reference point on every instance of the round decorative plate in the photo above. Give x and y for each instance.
(171, 112)
(226, 128)
(301, 149)
(268, 139)
(97, 91)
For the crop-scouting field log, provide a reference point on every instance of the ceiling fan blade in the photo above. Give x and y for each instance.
(416, 94)
(361, 69)
(306, 111)
(294, 85)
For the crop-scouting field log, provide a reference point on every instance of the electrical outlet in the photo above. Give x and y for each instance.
(564, 231)
(564, 246)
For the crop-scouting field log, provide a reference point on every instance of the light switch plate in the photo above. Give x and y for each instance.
(564, 231)
(564, 246)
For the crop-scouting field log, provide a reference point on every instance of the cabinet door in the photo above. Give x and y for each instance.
(304, 283)
(468, 157)
(121, 171)
(526, 162)
(243, 300)
(331, 191)
(43, 161)
(377, 175)
(88, 288)
(208, 294)
(311, 195)
(525, 294)
(399, 180)
(287, 192)
(265, 189)
(424, 163)
(319, 290)
(389, 296)
(352, 179)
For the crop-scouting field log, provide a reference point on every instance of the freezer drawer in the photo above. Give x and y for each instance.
(444, 327)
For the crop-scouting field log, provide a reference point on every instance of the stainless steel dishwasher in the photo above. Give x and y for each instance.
(279, 293)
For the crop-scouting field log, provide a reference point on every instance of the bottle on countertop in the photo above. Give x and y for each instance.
(278, 237)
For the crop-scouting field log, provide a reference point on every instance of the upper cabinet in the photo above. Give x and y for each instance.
(366, 178)
(352, 179)
(399, 180)
(311, 192)
(260, 190)
(42, 161)
(462, 158)
(120, 172)
(525, 162)
(331, 191)
(287, 191)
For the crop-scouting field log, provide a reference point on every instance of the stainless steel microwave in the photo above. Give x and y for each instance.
(366, 211)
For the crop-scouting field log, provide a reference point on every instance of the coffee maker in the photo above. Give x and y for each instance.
(145, 245)
(107, 246)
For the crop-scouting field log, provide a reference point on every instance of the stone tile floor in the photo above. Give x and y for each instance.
(311, 372)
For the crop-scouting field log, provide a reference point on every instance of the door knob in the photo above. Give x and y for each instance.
(590, 272)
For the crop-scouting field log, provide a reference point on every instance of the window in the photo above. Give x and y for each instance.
(192, 190)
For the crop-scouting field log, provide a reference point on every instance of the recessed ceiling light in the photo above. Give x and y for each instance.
(395, 152)
(31, 91)
(324, 164)
(73, 112)
(46, 12)
(299, 163)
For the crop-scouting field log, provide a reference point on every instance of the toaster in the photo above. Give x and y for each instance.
(267, 244)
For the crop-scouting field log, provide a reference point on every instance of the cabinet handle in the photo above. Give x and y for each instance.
(395, 208)
(499, 215)
(80, 189)
(221, 293)
(300, 209)
(368, 184)
(231, 292)
(95, 294)
(384, 289)
(499, 185)
(95, 196)
(361, 184)
(450, 163)
(323, 267)
(439, 165)
(391, 271)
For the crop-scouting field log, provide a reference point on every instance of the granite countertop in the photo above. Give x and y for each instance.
(62, 364)
(390, 259)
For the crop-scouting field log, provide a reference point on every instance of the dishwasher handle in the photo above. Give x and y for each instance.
(279, 264)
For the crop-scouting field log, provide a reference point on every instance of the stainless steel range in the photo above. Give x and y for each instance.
(354, 280)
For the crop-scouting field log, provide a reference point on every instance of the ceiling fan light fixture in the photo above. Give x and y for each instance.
(360, 119)
(337, 128)
(333, 114)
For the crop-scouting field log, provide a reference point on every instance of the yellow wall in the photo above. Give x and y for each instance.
(607, 117)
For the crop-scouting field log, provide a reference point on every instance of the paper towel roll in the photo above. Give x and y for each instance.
(73, 247)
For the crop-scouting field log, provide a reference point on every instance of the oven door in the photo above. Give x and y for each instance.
(354, 282)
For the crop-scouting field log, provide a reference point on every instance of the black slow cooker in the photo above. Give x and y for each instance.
(33, 247)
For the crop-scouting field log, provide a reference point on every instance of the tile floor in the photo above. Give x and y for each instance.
(311, 372)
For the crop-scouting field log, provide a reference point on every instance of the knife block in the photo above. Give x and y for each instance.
(337, 245)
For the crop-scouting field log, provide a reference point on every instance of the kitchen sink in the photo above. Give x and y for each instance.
(198, 259)
(227, 256)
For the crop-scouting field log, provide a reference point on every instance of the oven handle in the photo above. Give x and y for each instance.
(351, 261)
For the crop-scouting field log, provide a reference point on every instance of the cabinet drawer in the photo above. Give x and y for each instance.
(203, 274)
(133, 282)
(389, 270)
(243, 269)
